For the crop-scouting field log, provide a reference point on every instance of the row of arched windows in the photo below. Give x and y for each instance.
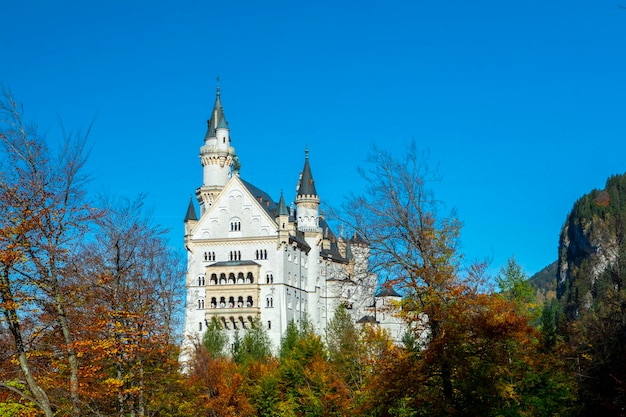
(235, 255)
(231, 302)
(234, 303)
(230, 279)
(235, 226)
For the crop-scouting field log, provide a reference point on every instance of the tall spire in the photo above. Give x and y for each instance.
(191, 211)
(306, 185)
(217, 156)
(218, 119)
(282, 207)
(307, 200)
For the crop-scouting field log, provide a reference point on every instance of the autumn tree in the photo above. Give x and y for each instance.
(308, 384)
(43, 214)
(131, 283)
(466, 337)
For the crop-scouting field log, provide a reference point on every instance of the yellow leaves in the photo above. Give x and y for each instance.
(113, 383)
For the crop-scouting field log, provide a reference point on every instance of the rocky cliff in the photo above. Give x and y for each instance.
(591, 242)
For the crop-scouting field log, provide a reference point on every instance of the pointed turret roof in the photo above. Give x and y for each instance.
(282, 207)
(307, 185)
(217, 120)
(191, 211)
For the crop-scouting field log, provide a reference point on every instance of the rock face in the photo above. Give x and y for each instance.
(590, 246)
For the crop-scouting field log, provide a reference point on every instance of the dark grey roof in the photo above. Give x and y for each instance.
(332, 252)
(262, 198)
(306, 185)
(218, 119)
(299, 239)
(232, 263)
(367, 319)
(387, 292)
(191, 211)
(282, 207)
(358, 240)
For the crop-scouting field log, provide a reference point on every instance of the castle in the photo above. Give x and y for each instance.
(249, 257)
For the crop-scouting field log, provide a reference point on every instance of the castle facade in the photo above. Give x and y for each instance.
(250, 257)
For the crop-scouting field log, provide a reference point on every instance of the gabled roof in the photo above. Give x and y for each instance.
(262, 197)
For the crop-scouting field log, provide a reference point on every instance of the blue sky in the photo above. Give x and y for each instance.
(522, 105)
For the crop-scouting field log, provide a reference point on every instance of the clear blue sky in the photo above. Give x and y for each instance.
(521, 104)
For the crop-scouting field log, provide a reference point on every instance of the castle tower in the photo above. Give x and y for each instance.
(217, 156)
(307, 200)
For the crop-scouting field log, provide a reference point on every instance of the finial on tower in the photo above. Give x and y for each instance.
(306, 152)
(218, 84)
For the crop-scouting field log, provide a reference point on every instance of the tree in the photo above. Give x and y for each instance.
(345, 349)
(43, 215)
(514, 285)
(254, 346)
(215, 338)
(464, 361)
(130, 282)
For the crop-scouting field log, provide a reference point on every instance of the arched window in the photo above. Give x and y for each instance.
(250, 278)
(222, 278)
(231, 278)
(269, 302)
(200, 281)
(200, 304)
(222, 302)
(231, 302)
(269, 325)
(200, 326)
(249, 301)
(240, 278)
(213, 280)
(213, 302)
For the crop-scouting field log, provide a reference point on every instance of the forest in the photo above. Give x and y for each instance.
(90, 294)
